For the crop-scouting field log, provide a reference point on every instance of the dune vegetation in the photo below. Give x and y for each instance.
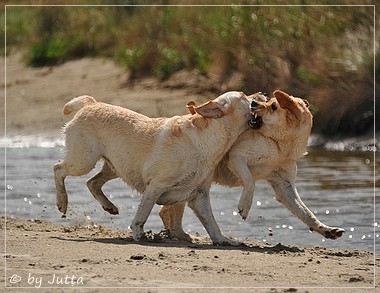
(322, 53)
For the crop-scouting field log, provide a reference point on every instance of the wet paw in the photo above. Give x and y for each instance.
(113, 210)
(334, 233)
(244, 206)
(62, 207)
(227, 242)
(243, 211)
(137, 232)
(243, 215)
(181, 236)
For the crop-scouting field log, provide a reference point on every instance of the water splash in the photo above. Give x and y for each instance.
(28, 141)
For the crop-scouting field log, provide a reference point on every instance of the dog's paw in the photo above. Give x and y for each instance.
(243, 211)
(112, 209)
(181, 235)
(137, 232)
(227, 242)
(334, 233)
(244, 206)
(62, 206)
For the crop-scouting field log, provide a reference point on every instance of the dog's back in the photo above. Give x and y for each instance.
(140, 148)
(112, 132)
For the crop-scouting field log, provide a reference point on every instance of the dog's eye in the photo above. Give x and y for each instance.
(274, 107)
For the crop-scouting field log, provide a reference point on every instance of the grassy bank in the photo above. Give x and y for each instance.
(324, 54)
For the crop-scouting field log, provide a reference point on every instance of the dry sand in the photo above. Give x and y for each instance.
(40, 254)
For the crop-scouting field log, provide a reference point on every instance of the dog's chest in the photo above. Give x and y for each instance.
(262, 167)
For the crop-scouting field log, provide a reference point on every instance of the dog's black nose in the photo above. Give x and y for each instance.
(254, 104)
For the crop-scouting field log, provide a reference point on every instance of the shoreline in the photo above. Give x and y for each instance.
(100, 257)
(36, 96)
(53, 138)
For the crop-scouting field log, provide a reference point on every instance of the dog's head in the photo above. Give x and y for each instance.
(281, 115)
(235, 104)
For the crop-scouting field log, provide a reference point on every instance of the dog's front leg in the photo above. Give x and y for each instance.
(201, 206)
(149, 198)
(287, 194)
(239, 166)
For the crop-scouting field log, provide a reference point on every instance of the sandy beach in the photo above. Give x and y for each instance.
(43, 254)
(95, 259)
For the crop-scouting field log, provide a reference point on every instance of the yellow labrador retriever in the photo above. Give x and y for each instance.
(270, 153)
(167, 160)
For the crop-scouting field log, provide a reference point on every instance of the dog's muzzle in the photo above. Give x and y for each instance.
(256, 121)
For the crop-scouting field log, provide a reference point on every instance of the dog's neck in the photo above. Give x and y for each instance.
(219, 131)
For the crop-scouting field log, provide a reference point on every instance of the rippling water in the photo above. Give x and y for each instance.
(339, 187)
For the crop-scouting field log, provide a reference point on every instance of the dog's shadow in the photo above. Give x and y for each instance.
(203, 245)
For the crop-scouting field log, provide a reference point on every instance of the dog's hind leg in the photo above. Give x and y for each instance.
(81, 157)
(95, 184)
(287, 194)
(59, 176)
(201, 206)
(171, 216)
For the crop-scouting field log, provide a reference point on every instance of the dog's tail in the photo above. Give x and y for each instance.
(77, 104)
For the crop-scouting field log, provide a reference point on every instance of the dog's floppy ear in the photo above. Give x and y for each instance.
(190, 106)
(210, 109)
(286, 102)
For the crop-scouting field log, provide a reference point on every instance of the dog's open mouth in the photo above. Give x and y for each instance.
(255, 122)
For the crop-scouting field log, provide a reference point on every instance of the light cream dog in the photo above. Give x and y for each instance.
(167, 160)
(268, 153)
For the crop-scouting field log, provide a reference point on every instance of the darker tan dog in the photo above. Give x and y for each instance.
(283, 125)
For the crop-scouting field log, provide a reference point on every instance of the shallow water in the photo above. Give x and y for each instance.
(339, 187)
